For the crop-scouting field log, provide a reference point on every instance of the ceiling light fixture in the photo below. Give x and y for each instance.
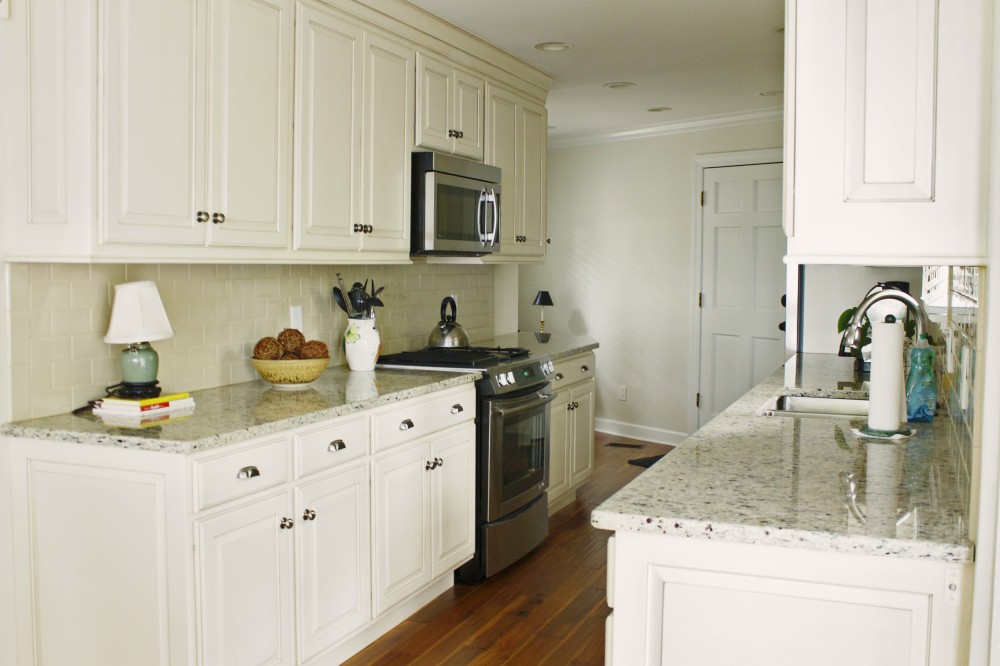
(619, 85)
(659, 109)
(553, 46)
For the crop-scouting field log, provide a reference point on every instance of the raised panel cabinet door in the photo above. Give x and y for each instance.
(245, 579)
(469, 95)
(532, 151)
(250, 123)
(453, 496)
(435, 113)
(502, 108)
(559, 452)
(333, 558)
(327, 131)
(389, 93)
(582, 442)
(401, 495)
(154, 102)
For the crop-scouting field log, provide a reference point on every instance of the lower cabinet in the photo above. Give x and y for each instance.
(571, 452)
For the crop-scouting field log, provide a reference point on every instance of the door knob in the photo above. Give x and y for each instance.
(781, 326)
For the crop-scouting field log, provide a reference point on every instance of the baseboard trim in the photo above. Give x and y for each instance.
(622, 429)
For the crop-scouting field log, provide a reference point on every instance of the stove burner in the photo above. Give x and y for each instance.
(455, 357)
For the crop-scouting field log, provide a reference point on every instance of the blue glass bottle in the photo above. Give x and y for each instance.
(921, 385)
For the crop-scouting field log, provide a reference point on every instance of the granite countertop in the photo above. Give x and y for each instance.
(239, 412)
(784, 481)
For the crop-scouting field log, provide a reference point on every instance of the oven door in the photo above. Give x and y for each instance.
(461, 215)
(517, 450)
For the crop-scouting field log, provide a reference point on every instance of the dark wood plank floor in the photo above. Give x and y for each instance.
(549, 608)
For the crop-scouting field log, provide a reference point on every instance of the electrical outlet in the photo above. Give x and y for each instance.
(623, 392)
(295, 317)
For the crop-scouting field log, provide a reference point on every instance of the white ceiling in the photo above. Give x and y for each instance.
(704, 59)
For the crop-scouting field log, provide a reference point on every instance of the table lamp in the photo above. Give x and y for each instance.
(137, 317)
(543, 299)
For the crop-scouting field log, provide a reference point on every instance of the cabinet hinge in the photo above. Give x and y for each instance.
(702, 193)
(697, 399)
(700, 299)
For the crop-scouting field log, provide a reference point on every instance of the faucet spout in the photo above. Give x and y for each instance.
(851, 341)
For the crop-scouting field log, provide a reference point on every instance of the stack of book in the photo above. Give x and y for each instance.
(131, 413)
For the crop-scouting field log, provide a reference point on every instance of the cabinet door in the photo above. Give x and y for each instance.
(333, 558)
(453, 494)
(559, 451)
(532, 150)
(250, 122)
(434, 104)
(388, 135)
(582, 442)
(327, 131)
(401, 493)
(245, 585)
(502, 111)
(887, 131)
(469, 95)
(154, 104)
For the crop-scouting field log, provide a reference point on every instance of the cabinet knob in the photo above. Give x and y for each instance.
(218, 218)
(569, 406)
(356, 228)
(452, 134)
(308, 514)
(559, 376)
(336, 445)
(584, 368)
(548, 241)
(438, 462)
(576, 405)
(461, 134)
(457, 409)
(781, 326)
(201, 217)
(248, 472)
(367, 228)
(406, 424)
(286, 523)
(429, 465)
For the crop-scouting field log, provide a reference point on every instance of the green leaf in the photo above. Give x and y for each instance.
(845, 319)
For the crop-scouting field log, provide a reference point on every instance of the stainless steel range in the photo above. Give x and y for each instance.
(512, 452)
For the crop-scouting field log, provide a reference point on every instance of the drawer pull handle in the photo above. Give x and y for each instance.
(286, 523)
(559, 376)
(201, 217)
(406, 424)
(308, 514)
(438, 462)
(584, 368)
(456, 409)
(336, 445)
(248, 472)
(429, 465)
(218, 218)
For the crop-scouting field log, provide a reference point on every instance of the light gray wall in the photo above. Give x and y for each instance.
(621, 220)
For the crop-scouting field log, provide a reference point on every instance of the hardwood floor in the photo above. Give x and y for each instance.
(549, 608)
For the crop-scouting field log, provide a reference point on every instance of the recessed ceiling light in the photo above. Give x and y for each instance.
(553, 46)
(659, 109)
(770, 93)
(619, 85)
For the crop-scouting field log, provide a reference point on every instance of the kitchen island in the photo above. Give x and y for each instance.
(781, 540)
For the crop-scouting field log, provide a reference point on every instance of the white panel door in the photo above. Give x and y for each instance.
(453, 493)
(327, 131)
(250, 115)
(743, 280)
(559, 446)
(531, 178)
(502, 109)
(333, 558)
(582, 437)
(434, 104)
(245, 585)
(469, 96)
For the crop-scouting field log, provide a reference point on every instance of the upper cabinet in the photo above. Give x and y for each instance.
(886, 131)
(516, 135)
(449, 108)
(197, 123)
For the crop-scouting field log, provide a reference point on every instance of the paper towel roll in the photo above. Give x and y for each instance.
(886, 384)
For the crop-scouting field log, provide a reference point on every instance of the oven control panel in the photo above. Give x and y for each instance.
(519, 375)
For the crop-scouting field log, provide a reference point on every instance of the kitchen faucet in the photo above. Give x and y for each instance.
(851, 341)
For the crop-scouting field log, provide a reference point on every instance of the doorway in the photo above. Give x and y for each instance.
(740, 278)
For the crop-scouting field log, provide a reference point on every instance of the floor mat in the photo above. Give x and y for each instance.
(645, 462)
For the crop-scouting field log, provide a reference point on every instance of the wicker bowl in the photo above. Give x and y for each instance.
(292, 374)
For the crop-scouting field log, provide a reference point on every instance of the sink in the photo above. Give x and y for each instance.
(803, 405)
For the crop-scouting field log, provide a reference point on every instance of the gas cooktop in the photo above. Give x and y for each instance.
(454, 357)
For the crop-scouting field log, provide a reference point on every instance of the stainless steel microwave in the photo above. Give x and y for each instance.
(455, 206)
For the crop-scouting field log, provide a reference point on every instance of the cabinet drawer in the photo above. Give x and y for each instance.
(243, 472)
(416, 419)
(330, 444)
(572, 370)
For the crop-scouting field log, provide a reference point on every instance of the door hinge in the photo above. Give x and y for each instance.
(702, 193)
(700, 299)
(697, 400)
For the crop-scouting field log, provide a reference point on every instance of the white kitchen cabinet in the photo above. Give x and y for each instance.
(423, 507)
(571, 452)
(705, 601)
(516, 135)
(886, 131)
(354, 125)
(197, 123)
(449, 109)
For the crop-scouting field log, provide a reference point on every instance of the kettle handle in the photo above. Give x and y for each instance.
(448, 300)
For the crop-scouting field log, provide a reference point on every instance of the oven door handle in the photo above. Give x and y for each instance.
(519, 405)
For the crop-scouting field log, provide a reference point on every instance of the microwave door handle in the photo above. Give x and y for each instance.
(480, 226)
(496, 216)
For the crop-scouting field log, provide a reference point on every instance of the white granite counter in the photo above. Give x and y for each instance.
(785, 481)
(555, 345)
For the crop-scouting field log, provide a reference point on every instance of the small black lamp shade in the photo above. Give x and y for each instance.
(543, 299)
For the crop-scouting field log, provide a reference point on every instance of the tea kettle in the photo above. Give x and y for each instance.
(448, 332)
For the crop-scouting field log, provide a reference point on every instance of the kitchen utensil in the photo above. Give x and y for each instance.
(338, 296)
(359, 299)
(448, 332)
(347, 301)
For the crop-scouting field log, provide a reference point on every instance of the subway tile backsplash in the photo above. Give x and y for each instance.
(60, 312)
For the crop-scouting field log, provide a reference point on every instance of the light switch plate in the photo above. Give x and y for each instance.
(295, 317)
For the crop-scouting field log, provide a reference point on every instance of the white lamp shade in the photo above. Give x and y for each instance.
(137, 314)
